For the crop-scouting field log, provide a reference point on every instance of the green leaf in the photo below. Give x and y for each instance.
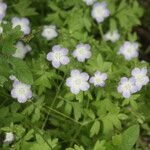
(77, 111)
(24, 9)
(99, 145)
(2, 80)
(68, 108)
(21, 70)
(9, 38)
(117, 139)
(129, 138)
(95, 128)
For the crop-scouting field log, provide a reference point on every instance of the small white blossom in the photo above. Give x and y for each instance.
(89, 2)
(78, 81)
(82, 52)
(127, 87)
(49, 32)
(21, 50)
(100, 11)
(3, 7)
(9, 138)
(140, 76)
(98, 79)
(58, 56)
(112, 36)
(23, 23)
(21, 91)
(129, 50)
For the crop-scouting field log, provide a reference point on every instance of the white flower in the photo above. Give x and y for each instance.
(100, 11)
(98, 79)
(140, 76)
(21, 91)
(129, 50)
(21, 50)
(9, 138)
(3, 7)
(127, 87)
(58, 56)
(78, 81)
(89, 2)
(112, 36)
(82, 52)
(49, 32)
(23, 23)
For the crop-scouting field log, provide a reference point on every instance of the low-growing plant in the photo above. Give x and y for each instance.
(70, 77)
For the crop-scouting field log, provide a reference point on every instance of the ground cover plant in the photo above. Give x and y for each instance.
(70, 76)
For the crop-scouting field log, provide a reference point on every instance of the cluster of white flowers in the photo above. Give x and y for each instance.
(59, 56)
(21, 50)
(23, 23)
(112, 36)
(49, 32)
(79, 81)
(128, 86)
(21, 91)
(129, 50)
(100, 11)
(9, 138)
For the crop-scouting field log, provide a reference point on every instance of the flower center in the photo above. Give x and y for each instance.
(127, 86)
(98, 80)
(139, 77)
(99, 11)
(21, 91)
(58, 56)
(49, 31)
(81, 51)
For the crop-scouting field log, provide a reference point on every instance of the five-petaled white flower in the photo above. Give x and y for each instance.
(9, 138)
(112, 36)
(21, 50)
(100, 11)
(21, 91)
(3, 7)
(140, 76)
(49, 32)
(127, 87)
(89, 2)
(78, 81)
(98, 79)
(58, 56)
(23, 23)
(129, 50)
(82, 52)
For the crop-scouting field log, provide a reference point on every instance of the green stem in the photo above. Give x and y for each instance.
(101, 30)
(75, 136)
(63, 115)
(58, 90)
